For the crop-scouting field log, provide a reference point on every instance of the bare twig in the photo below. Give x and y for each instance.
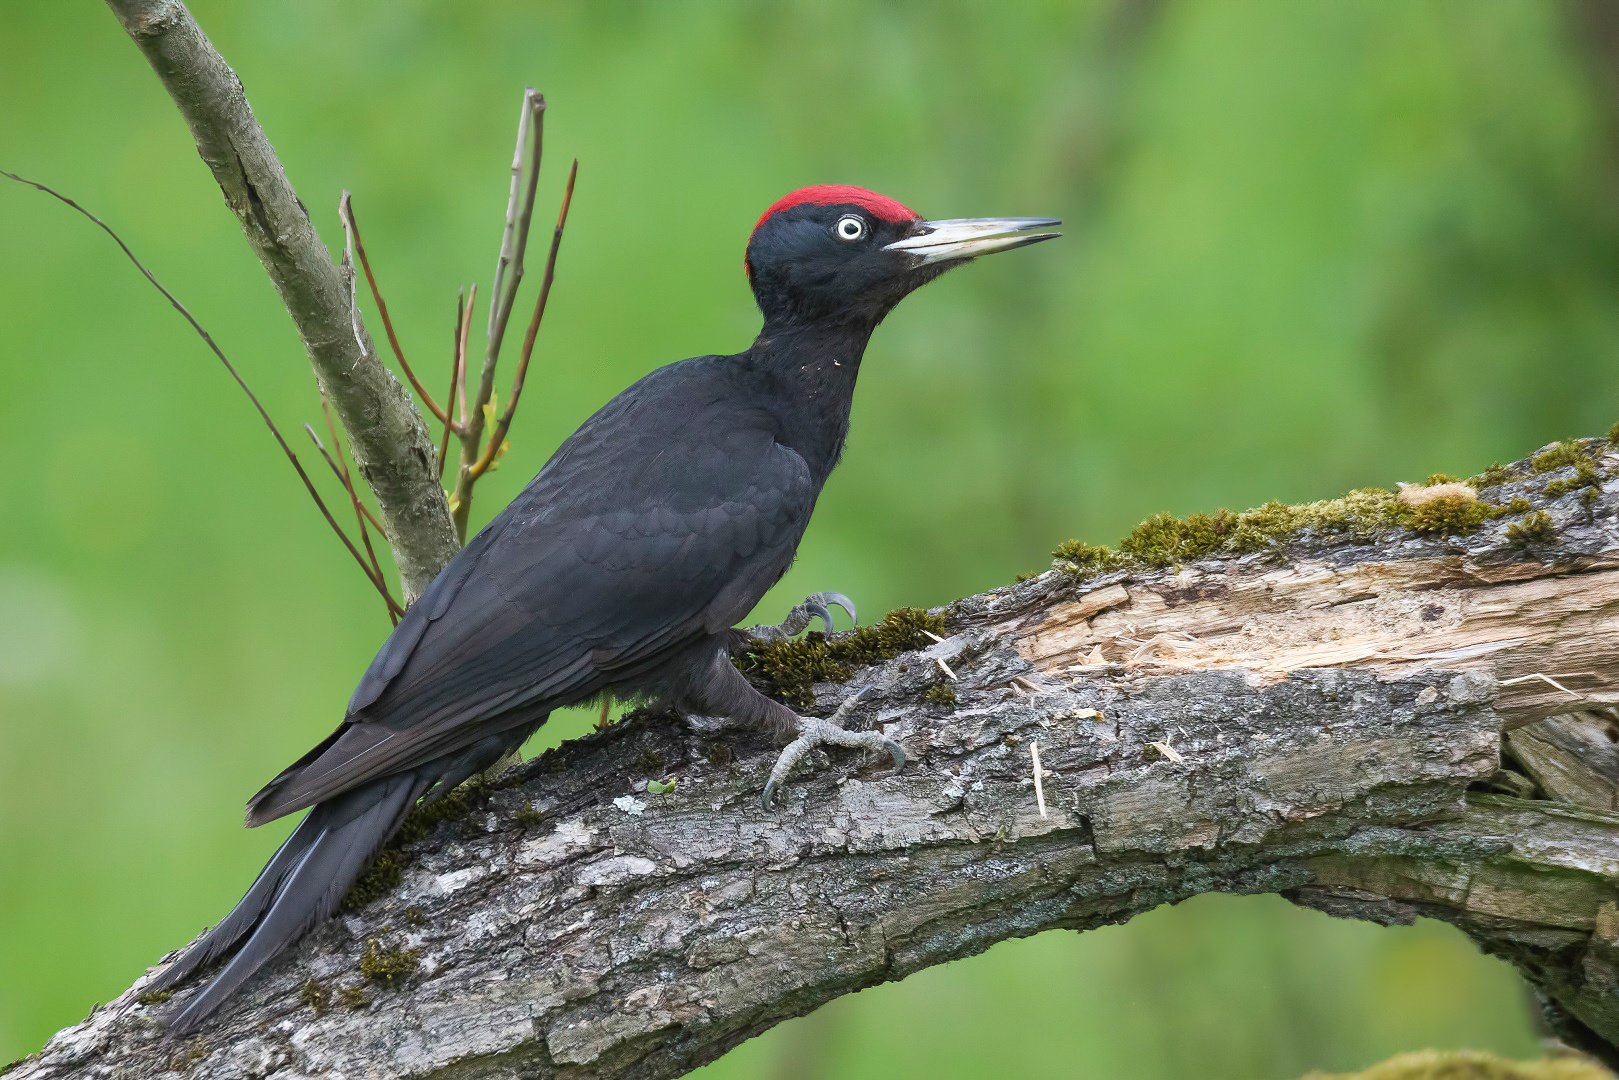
(343, 471)
(361, 514)
(508, 276)
(498, 439)
(372, 571)
(458, 360)
(229, 367)
(519, 212)
(351, 226)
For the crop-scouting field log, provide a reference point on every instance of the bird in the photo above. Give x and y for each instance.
(622, 568)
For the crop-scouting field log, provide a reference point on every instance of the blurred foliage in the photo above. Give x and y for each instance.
(1312, 247)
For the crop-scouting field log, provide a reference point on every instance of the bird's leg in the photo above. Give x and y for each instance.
(723, 692)
(829, 732)
(815, 606)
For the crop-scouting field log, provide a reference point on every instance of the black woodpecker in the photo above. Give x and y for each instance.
(623, 566)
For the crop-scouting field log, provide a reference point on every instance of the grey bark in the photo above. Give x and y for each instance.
(1325, 720)
(391, 445)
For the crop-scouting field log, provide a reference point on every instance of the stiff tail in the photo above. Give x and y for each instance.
(302, 884)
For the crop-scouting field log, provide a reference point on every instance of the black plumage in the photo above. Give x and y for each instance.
(623, 566)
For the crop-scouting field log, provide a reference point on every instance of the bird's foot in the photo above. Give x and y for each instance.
(829, 732)
(815, 606)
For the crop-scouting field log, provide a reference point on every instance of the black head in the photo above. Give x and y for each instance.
(835, 253)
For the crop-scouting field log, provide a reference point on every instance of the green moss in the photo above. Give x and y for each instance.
(155, 997)
(1535, 528)
(649, 761)
(1559, 456)
(387, 870)
(1585, 478)
(793, 667)
(8, 1066)
(528, 818)
(1021, 578)
(941, 694)
(316, 996)
(1441, 478)
(1613, 435)
(353, 997)
(414, 916)
(388, 967)
(382, 877)
(1165, 540)
(1491, 477)
(719, 755)
(1083, 558)
(187, 1057)
(1449, 515)
(452, 806)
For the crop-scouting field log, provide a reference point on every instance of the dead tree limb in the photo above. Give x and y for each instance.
(392, 448)
(1378, 723)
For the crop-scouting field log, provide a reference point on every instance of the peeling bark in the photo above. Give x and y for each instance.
(391, 445)
(1325, 720)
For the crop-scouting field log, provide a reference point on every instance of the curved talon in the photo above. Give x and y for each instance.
(815, 606)
(834, 599)
(814, 609)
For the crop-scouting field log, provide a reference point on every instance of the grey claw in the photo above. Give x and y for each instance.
(819, 611)
(836, 599)
(829, 732)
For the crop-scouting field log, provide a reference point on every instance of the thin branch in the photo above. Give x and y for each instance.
(464, 306)
(374, 576)
(332, 465)
(229, 367)
(361, 514)
(499, 437)
(351, 225)
(519, 212)
(508, 275)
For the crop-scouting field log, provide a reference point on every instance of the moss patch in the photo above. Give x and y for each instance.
(188, 1057)
(1083, 558)
(316, 995)
(387, 870)
(793, 667)
(155, 997)
(1586, 480)
(353, 997)
(528, 817)
(1535, 528)
(1559, 456)
(1450, 515)
(388, 967)
(941, 694)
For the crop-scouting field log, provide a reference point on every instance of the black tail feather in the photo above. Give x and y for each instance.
(303, 883)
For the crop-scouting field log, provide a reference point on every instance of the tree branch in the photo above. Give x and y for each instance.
(1325, 719)
(392, 448)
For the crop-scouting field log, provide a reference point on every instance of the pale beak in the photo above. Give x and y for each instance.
(954, 239)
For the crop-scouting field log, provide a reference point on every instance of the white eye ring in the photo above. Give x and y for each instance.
(851, 227)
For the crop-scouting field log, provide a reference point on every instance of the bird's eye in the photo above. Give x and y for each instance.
(851, 227)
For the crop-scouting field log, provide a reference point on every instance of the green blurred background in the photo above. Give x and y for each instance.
(1312, 246)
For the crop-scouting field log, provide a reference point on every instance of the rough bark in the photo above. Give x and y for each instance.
(1325, 720)
(391, 444)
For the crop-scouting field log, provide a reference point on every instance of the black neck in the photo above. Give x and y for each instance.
(812, 367)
